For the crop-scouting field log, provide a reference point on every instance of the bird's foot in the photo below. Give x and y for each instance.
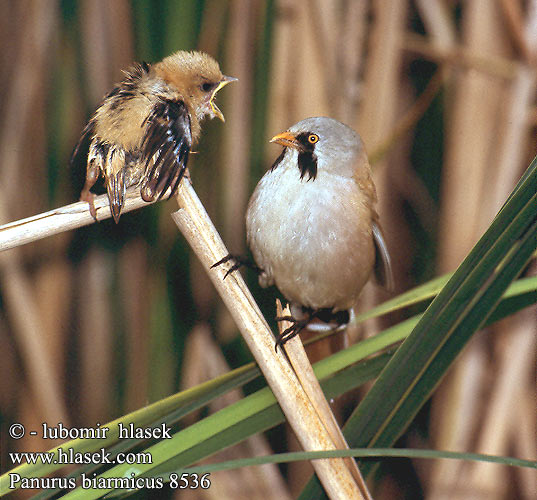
(329, 322)
(89, 197)
(297, 325)
(92, 174)
(239, 261)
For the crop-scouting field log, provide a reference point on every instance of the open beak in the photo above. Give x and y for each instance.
(214, 107)
(286, 139)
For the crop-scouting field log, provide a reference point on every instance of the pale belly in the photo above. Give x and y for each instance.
(312, 238)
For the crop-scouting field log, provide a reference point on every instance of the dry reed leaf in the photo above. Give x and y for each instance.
(525, 423)
(96, 336)
(439, 25)
(238, 130)
(202, 361)
(297, 85)
(234, 179)
(350, 50)
(107, 43)
(377, 117)
(41, 374)
(453, 420)
(134, 286)
(516, 363)
(53, 288)
(381, 83)
(483, 160)
(22, 113)
(461, 57)
(514, 17)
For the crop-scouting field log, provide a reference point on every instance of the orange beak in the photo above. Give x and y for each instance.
(287, 140)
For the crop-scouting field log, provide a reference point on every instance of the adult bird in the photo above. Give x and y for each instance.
(312, 226)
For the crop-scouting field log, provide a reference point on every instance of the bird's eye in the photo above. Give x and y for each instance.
(207, 86)
(313, 138)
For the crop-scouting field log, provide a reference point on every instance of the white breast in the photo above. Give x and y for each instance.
(312, 238)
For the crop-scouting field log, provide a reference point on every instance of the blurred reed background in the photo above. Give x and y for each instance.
(101, 321)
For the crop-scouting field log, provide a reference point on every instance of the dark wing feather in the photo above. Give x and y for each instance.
(165, 148)
(83, 174)
(80, 153)
(383, 265)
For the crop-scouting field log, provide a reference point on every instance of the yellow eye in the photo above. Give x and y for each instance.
(313, 138)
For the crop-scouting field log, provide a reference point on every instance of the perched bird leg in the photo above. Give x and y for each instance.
(330, 321)
(239, 262)
(296, 327)
(92, 174)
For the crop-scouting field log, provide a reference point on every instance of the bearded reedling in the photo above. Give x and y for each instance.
(312, 227)
(144, 130)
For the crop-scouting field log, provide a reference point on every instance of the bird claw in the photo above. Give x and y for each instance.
(89, 197)
(286, 318)
(306, 322)
(297, 326)
(239, 262)
(227, 258)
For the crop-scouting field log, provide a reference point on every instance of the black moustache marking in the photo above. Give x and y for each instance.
(307, 160)
(307, 163)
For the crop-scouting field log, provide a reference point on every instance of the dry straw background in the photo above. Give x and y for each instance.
(100, 321)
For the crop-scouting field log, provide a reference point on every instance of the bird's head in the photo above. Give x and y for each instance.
(198, 78)
(322, 144)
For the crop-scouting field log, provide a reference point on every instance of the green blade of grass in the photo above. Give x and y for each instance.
(232, 424)
(280, 458)
(463, 305)
(221, 429)
(518, 296)
(417, 295)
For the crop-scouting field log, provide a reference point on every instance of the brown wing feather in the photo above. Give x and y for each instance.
(383, 267)
(383, 264)
(165, 148)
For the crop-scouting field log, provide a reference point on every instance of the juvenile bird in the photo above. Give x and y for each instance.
(144, 130)
(311, 223)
